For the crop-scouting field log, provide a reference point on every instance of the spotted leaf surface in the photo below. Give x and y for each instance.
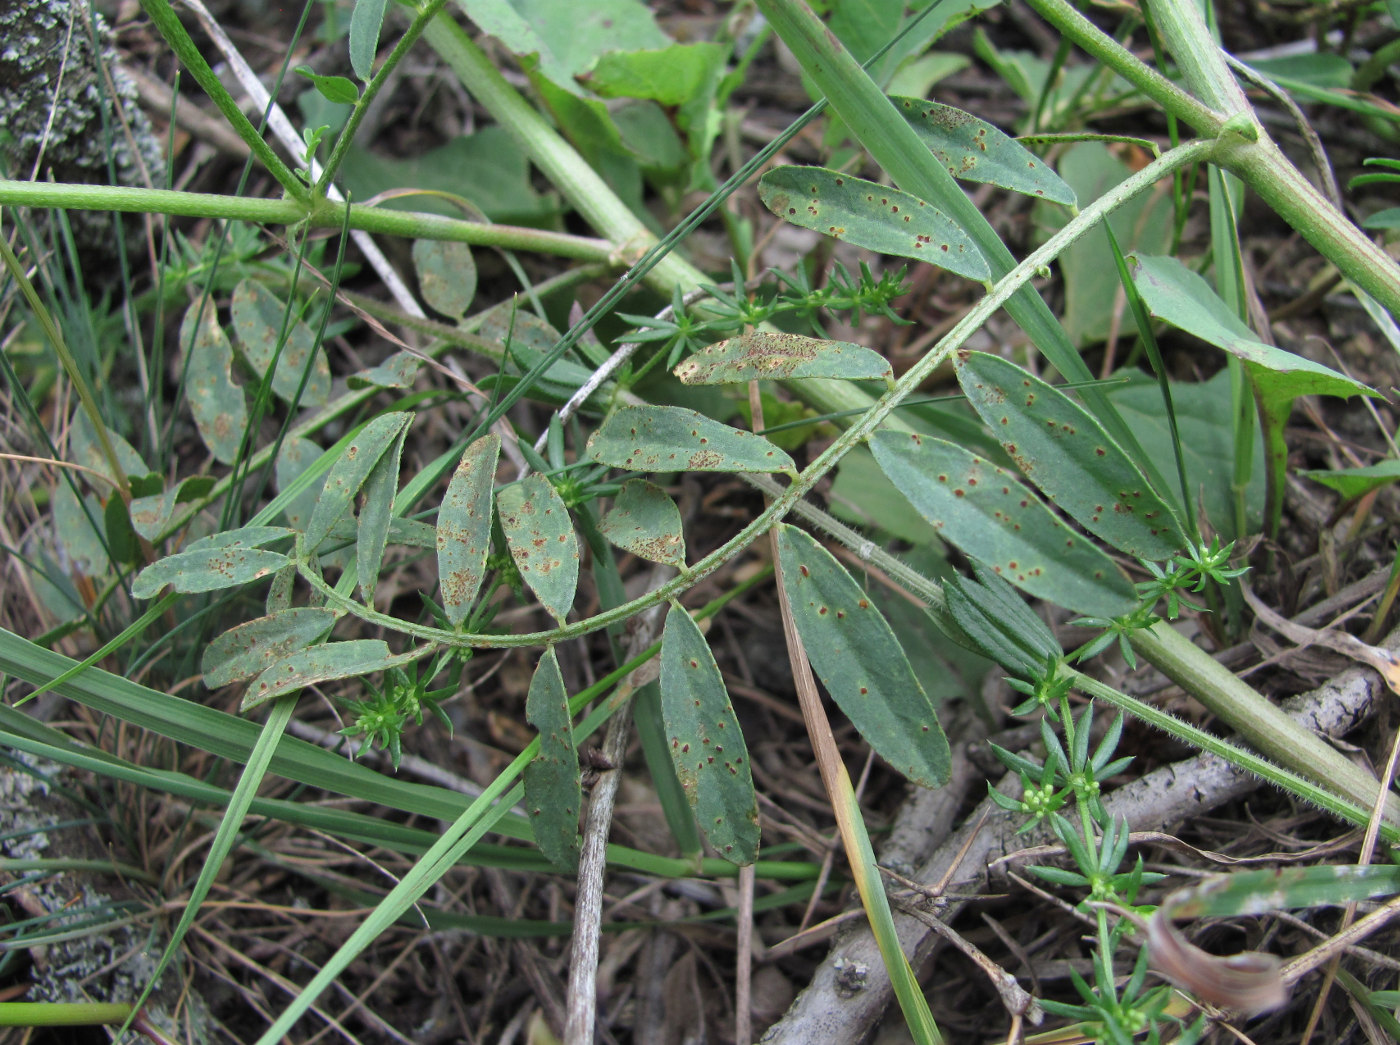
(870, 215)
(446, 275)
(542, 542)
(552, 792)
(781, 357)
(377, 514)
(1062, 448)
(974, 150)
(250, 648)
(991, 515)
(324, 663)
(258, 316)
(207, 569)
(673, 439)
(350, 471)
(398, 371)
(464, 527)
(216, 400)
(646, 522)
(707, 749)
(860, 662)
(150, 515)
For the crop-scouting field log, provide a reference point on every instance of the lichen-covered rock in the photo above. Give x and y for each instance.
(60, 91)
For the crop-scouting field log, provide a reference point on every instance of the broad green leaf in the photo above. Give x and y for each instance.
(324, 663)
(566, 37)
(1064, 450)
(76, 526)
(706, 745)
(673, 439)
(243, 537)
(781, 357)
(207, 569)
(258, 315)
(398, 371)
(671, 75)
(150, 515)
(974, 150)
(990, 515)
(215, 399)
(464, 527)
(366, 20)
(647, 523)
(1175, 294)
(377, 515)
(446, 275)
(858, 659)
(337, 89)
(552, 792)
(870, 215)
(542, 542)
(244, 651)
(1352, 483)
(350, 471)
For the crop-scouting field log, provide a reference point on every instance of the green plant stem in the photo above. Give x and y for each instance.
(1260, 722)
(324, 215)
(557, 160)
(63, 1014)
(879, 412)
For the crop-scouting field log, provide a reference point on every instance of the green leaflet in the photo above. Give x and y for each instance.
(464, 527)
(974, 150)
(989, 514)
(987, 616)
(528, 339)
(1064, 450)
(365, 22)
(245, 650)
(542, 542)
(398, 371)
(1175, 294)
(349, 473)
(706, 745)
(673, 439)
(216, 400)
(377, 514)
(446, 274)
(647, 523)
(781, 357)
(870, 215)
(331, 660)
(1352, 483)
(552, 792)
(857, 657)
(258, 315)
(207, 569)
(243, 537)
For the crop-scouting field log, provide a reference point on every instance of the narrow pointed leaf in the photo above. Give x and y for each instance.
(856, 655)
(706, 745)
(366, 20)
(324, 663)
(542, 542)
(207, 569)
(974, 150)
(258, 314)
(647, 523)
(673, 439)
(552, 792)
(243, 537)
(991, 515)
(244, 651)
(350, 471)
(216, 400)
(376, 515)
(1281, 889)
(1356, 482)
(464, 527)
(446, 275)
(1060, 447)
(781, 357)
(870, 215)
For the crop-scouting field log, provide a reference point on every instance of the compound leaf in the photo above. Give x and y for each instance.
(350, 471)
